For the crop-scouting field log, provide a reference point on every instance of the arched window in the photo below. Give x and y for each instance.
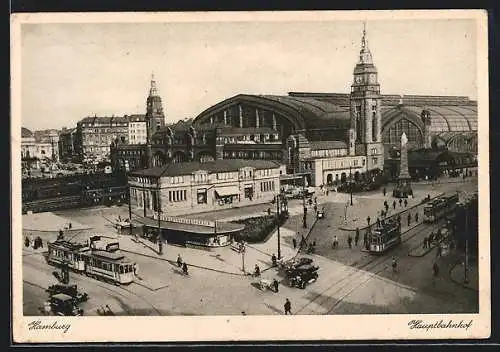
(393, 134)
(374, 126)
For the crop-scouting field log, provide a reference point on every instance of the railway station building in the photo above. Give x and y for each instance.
(327, 136)
(193, 187)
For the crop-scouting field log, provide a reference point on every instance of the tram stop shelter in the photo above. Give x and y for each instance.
(194, 232)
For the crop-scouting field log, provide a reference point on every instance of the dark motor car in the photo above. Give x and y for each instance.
(70, 290)
(303, 275)
(62, 304)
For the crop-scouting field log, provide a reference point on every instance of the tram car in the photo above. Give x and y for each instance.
(385, 236)
(98, 259)
(440, 207)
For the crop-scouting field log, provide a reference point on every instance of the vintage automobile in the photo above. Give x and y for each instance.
(70, 290)
(295, 263)
(62, 304)
(302, 276)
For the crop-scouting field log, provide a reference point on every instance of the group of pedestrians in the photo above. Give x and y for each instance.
(335, 243)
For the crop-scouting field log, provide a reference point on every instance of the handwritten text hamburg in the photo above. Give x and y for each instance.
(38, 325)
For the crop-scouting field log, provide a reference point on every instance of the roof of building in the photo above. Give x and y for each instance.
(323, 145)
(187, 168)
(323, 111)
(104, 119)
(222, 227)
(136, 118)
(26, 133)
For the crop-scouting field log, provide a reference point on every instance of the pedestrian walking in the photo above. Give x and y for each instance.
(431, 239)
(365, 240)
(185, 268)
(274, 260)
(416, 217)
(385, 191)
(356, 237)
(406, 203)
(179, 260)
(257, 270)
(425, 242)
(268, 211)
(400, 202)
(368, 220)
(378, 222)
(294, 241)
(335, 242)
(435, 272)
(439, 250)
(70, 226)
(409, 219)
(27, 242)
(349, 241)
(275, 284)
(288, 307)
(394, 204)
(394, 265)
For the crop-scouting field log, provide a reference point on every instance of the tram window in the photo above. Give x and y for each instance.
(121, 269)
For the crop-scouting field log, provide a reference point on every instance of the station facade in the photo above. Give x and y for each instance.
(192, 187)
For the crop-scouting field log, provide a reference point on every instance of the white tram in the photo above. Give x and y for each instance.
(385, 236)
(439, 207)
(97, 259)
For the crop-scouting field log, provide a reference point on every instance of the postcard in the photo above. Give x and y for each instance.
(243, 176)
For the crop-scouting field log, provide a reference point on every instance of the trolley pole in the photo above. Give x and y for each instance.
(278, 219)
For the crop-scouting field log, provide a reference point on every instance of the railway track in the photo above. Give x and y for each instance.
(101, 284)
(353, 274)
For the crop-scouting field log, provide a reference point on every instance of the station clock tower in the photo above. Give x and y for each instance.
(365, 107)
(155, 118)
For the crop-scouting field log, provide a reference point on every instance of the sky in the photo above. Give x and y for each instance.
(70, 71)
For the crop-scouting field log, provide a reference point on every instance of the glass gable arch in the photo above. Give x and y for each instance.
(392, 135)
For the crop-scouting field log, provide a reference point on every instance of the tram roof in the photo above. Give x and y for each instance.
(222, 227)
(114, 256)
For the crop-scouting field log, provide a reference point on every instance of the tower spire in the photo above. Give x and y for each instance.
(363, 40)
(153, 90)
(365, 56)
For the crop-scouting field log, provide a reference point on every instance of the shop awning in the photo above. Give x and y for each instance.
(227, 191)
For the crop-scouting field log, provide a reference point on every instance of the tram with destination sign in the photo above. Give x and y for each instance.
(440, 207)
(384, 236)
(98, 259)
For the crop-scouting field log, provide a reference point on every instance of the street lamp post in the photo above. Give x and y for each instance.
(278, 205)
(130, 209)
(160, 237)
(466, 269)
(350, 180)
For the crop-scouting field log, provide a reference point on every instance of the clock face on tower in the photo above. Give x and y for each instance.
(358, 79)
